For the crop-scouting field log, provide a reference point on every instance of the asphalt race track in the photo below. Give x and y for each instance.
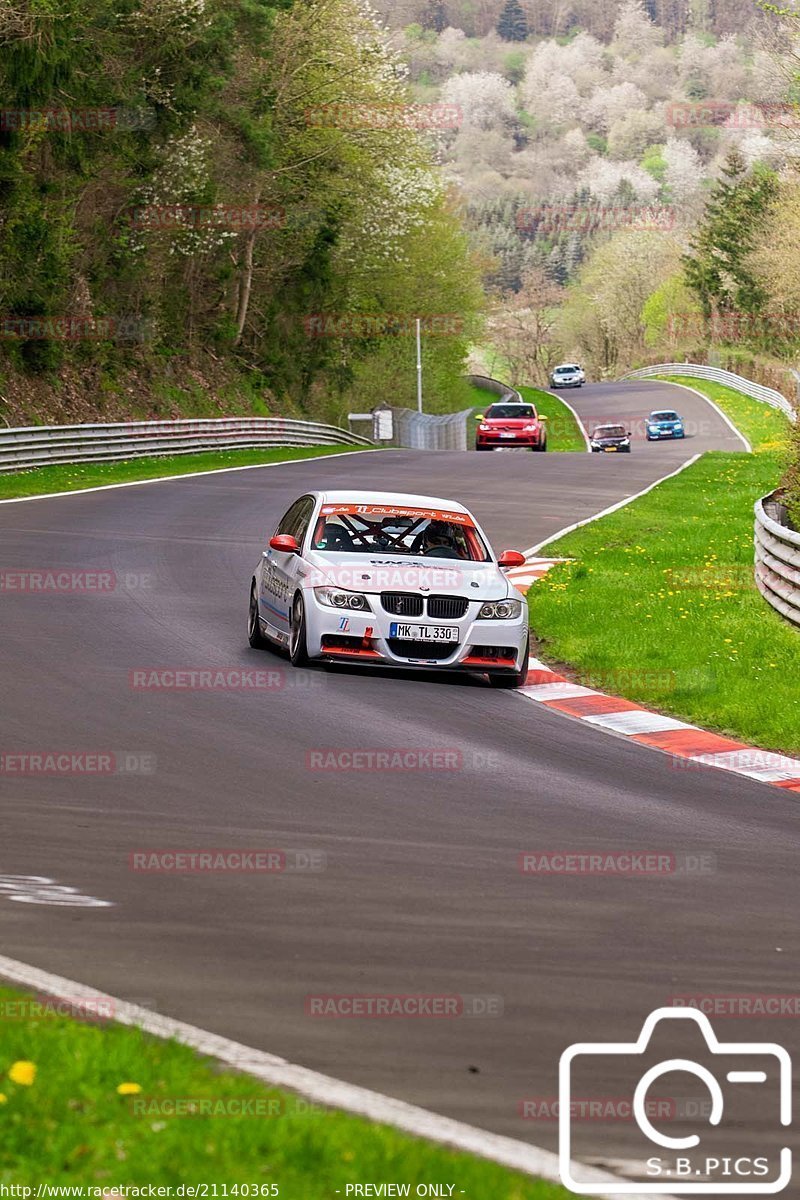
(421, 892)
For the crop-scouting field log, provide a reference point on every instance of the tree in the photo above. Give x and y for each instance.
(634, 31)
(522, 330)
(484, 99)
(717, 267)
(512, 24)
(434, 16)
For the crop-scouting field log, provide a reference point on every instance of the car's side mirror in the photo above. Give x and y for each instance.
(478, 416)
(542, 417)
(285, 543)
(629, 434)
(511, 558)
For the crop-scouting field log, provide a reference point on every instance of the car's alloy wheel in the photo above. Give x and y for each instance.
(298, 651)
(254, 634)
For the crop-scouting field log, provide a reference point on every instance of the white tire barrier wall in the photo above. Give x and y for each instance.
(45, 445)
(777, 558)
(738, 382)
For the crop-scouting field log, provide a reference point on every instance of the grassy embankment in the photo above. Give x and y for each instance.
(659, 602)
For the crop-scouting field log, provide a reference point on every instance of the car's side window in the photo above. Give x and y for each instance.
(305, 508)
(295, 521)
(287, 521)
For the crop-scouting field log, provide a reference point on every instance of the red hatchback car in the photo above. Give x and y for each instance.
(509, 424)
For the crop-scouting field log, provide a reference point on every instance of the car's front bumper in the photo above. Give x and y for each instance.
(355, 636)
(495, 442)
(657, 434)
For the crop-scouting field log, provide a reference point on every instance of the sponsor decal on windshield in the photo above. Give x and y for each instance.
(380, 510)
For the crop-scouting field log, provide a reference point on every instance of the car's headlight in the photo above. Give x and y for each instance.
(483, 428)
(337, 598)
(530, 428)
(500, 610)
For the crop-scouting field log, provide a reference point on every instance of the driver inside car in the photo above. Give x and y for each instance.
(439, 542)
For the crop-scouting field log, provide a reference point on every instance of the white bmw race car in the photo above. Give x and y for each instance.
(389, 579)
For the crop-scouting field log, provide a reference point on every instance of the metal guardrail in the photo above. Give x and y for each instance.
(695, 371)
(777, 558)
(37, 446)
(503, 390)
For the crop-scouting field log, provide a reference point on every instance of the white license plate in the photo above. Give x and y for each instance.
(508, 435)
(423, 633)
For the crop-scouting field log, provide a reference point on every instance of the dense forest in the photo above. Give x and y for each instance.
(185, 194)
(219, 206)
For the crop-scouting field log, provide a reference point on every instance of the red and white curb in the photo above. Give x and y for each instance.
(689, 746)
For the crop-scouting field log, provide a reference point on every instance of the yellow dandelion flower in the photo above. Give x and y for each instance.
(23, 1073)
(3, 1099)
(128, 1089)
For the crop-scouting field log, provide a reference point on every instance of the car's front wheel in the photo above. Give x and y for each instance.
(513, 679)
(254, 634)
(298, 646)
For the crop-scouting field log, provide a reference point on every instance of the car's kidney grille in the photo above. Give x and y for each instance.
(451, 608)
(402, 604)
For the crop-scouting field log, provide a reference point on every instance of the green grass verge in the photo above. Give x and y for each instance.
(765, 428)
(74, 477)
(659, 604)
(563, 431)
(72, 1127)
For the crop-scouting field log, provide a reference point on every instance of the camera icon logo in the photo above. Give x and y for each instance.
(680, 1164)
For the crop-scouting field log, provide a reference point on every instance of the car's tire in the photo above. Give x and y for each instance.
(254, 635)
(513, 679)
(298, 646)
(540, 447)
(626, 449)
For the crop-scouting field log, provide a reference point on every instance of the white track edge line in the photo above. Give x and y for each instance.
(109, 487)
(612, 508)
(708, 400)
(578, 420)
(334, 1093)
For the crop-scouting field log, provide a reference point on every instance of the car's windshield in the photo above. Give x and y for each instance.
(565, 370)
(664, 416)
(506, 411)
(385, 529)
(610, 431)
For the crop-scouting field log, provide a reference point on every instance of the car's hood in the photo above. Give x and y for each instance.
(399, 573)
